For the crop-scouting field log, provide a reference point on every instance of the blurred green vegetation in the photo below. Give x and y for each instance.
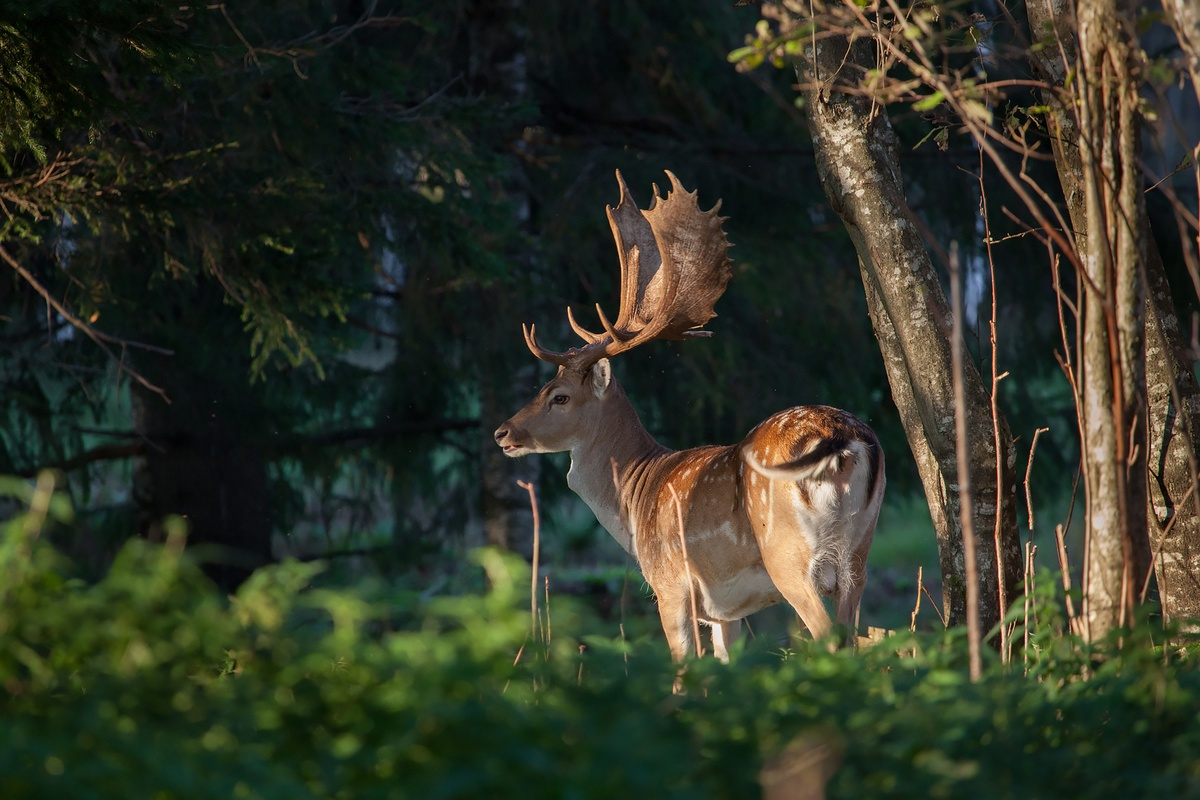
(151, 683)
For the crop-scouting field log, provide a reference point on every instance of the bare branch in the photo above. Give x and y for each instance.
(105, 452)
(312, 43)
(102, 340)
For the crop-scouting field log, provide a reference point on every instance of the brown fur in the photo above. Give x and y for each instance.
(751, 540)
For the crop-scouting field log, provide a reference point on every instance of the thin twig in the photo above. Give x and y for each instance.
(687, 571)
(964, 470)
(936, 610)
(306, 46)
(1028, 469)
(912, 623)
(1065, 566)
(533, 605)
(101, 339)
(997, 441)
(549, 632)
(1162, 541)
(1030, 585)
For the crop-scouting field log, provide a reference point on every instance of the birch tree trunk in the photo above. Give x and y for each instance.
(1172, 395)
(857, 159)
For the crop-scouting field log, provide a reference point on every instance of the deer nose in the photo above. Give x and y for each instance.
(501, 433)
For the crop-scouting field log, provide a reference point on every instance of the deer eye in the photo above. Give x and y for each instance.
(560, 400)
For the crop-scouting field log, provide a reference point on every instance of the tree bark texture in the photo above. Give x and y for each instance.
(857, 159)
(1172, 395)
(1175, 406)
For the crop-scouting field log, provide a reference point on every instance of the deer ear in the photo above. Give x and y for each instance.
(601, 377)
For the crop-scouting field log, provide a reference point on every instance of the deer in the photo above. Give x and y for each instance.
(719, 532)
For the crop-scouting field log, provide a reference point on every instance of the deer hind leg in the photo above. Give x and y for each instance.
(725, 634)
(789, 564)
(849, 597)
(792, 580)
(788, 556)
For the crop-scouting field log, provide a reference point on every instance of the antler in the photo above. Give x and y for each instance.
(674, 268)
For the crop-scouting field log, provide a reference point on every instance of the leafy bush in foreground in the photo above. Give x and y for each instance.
(150, 684)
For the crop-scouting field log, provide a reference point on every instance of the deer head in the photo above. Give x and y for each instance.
(674, 267)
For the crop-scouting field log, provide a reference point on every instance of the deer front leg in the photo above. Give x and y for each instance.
(675, 611)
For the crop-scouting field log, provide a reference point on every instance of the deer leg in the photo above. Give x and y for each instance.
(788, 564)
(850, 596)
(799, 591)
(787, 558)
(676, 618)
(723, 635)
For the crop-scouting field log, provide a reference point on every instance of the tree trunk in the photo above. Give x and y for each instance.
(199, 465)
(1175, 406)
(498, 67)
(1114, 304)
(857, 159)
(1172, 397)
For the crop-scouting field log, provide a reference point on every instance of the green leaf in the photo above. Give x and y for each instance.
(929, 102)
(978, 111)
(744, 54)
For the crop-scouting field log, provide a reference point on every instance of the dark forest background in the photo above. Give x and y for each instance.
(263, 270)
(290, 246)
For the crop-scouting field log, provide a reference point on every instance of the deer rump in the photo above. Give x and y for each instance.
(788, 514)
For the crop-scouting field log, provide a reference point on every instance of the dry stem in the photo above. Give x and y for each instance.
(101, 339)
(533, 604)
(687, 571)
(912, 624)
(966, 519)
(1028, 469)
(1065, 566)
(997, 441)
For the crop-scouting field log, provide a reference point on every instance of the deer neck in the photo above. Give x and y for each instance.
(608, 468)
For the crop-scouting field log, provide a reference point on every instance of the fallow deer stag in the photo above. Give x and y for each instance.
(788, 513)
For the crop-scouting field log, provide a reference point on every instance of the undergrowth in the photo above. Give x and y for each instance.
(149, 683)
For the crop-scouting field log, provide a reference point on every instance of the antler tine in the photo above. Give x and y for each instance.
(674, 267)
(608, 326)
(550, 356)
(581, 331)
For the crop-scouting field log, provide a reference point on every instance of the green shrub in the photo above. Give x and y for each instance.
(151, 684)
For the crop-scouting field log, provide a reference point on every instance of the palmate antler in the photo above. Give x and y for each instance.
(674, 268)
